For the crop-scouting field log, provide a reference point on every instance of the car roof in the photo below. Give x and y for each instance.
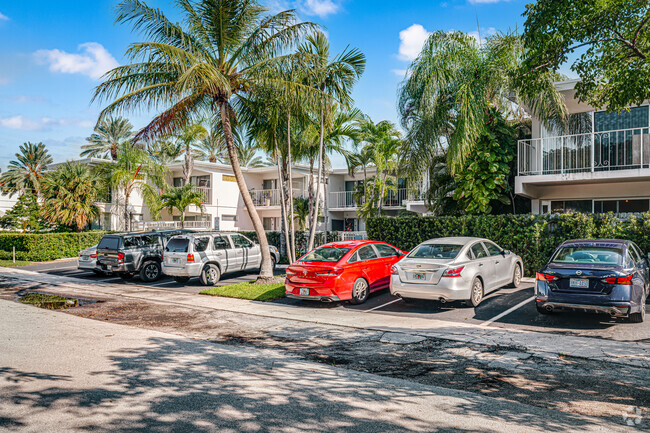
(350, 244)
(463, 240)
(596, 241)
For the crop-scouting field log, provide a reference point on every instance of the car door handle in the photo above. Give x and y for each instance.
(496, 263)
(480, 264)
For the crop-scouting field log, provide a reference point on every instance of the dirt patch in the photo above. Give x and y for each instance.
(273, 280)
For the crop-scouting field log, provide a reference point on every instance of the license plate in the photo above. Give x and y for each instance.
(174, 261)
(84, 258)
(418, 276)
(580, 283)
(304, 292)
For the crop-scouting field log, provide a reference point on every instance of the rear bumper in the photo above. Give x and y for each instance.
(331, 298)
(189, 270)
(90, 265)
(119, 267)
(618, 310)
(450, 289)
(317, 292)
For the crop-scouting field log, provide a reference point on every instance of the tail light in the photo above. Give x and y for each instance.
(331, 273)
(626, 280)
(190, 257)
(453, 273)
(394, 270)
(93, 256)
(545, 277)
(120, 257)
(290, 272)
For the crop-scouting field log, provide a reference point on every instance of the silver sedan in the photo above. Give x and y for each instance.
(458, 268)
(88, 260)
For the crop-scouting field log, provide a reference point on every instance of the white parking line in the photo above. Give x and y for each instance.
(162, 283)
(508, 311)
(57, 268)
(383, 305)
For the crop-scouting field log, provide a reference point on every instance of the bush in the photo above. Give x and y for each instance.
(46, 246)
(533, 237)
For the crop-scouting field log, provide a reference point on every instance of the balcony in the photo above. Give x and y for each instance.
(342, 199)
(206, 192)
(595, 152)
(169, 225)
(271, 197)
(396, 198)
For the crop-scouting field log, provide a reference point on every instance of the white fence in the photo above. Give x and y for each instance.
(169, 225)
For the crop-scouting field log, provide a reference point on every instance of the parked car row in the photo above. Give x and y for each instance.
(182, 254)
(606, 276)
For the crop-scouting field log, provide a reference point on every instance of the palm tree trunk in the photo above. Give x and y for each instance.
(312, 231)
(187, 167)
(310, 200)
(114, 147)
(292, 244)
(381, 195)
(127, 220)
(266, 272)
(182, 219)
(283, 201)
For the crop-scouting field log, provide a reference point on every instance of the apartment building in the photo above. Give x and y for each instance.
(601, 163)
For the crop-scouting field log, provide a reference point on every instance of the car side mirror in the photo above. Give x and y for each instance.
(648, 256)
(505, 252)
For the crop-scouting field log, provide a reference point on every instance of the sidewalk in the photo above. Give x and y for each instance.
(400, 328)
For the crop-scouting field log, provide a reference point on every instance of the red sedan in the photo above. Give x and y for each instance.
(339, 271)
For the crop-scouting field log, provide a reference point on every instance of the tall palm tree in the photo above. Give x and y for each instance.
(445, 100)
(247, 155)
(70, 193)
(188, 137)
(165, 150)
(212, 148)
(108, 136)
(25, 173)
(334, 78)
(181, 198)
(222, 51)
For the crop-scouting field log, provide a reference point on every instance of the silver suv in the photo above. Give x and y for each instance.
(209, 255)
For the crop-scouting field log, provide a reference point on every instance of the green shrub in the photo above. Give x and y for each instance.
(46, 246)
(533, 237)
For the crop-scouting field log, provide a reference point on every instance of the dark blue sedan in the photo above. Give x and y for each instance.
(598, 275)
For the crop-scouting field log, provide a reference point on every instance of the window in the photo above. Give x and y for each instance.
(228, 217)
(637, 117)
(132, 241)
(177, 245)
(386, 250)
(571, 206)
(325, 254)
(221, 243)
(201, 244)
(353, 258)
(109, 243)
(240, 242)
(436, 251)
(493, 250)
(367, 253)
(149, 240)
(636, 255)
(589, 254)
(478, 251)
(633, 205)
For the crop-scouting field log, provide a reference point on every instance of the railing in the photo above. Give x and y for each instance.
(271, 197)
(345, 199)
(169, 225)
(352, 236)
(395, 198)
(591, 152)
(206, 192)
(342, 199)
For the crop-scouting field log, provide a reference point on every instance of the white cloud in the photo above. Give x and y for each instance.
(321, 8)
(42, 124)
(3, 17)
(94, 61)
(400, 72)
(411, 41)
(483, 34)
(26, 99)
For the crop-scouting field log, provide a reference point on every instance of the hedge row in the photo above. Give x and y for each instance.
(46, 246)
(533, 237)
(302, 239)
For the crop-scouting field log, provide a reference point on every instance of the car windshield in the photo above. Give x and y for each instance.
(177, 245)
(436, 251)
(588, 255)
(325, 254)
(109, 243)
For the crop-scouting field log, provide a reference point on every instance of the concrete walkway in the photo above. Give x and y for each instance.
(59, 372)
(543, 344)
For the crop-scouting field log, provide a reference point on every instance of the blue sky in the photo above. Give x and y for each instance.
(52, 54)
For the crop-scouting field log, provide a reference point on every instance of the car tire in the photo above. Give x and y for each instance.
(273, 262)
(126, 275)
(150, 271)
(181, 280)
(516, 276)
(477, 292)
(542, 310)
(210, 275)
(360, 291)
(640, 316)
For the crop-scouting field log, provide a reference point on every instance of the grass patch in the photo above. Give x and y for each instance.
(246, 290)
(10, 263)
(50, 302)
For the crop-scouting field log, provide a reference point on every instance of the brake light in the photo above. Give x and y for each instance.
(290, 272)
(626, 280)
(545, 277)
(394, 270)
(332, 273)
(453, 273)
(120, 256)
(190, 257)
(93, 256)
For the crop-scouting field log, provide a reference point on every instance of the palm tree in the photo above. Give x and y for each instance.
(188, 137)
(108, 136)
(301, 209)
(70, 193)
(212, 148)
(180, 198)
(247, 155)
(165, 150)
(445, 100)
(26, 171)
(334, 78)
(222, 51)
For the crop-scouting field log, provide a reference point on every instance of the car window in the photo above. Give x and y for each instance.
(386, 250)
(221, 243)
(493, 250)
(109, 242)
(366, 253)
(149, 240)
(132, 241)
(353, 258)
(636, 253)
(478, 251)
(436, 251)
(588, 254)
(240, 242)
(177, 245)
(201, 244)
(325, 254)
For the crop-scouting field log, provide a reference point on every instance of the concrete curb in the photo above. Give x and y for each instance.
(537, 343)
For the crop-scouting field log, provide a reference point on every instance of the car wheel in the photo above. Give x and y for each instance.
(273, 262)
(542, 310)
(181, 280)
(150, 271)
(477, 292)
(126, 275)
(210, 275)
(516, 276)
(640, 316)
(359, 291)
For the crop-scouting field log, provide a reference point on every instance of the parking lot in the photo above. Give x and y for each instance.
(506, 308)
